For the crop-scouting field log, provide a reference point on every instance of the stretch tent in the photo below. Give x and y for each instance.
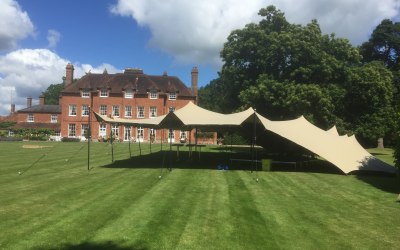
(342, 151)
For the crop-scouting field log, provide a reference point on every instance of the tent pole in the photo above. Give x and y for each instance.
(112, 146)
(140, 148)
(129, 141)
(90, 136)
(254, 143)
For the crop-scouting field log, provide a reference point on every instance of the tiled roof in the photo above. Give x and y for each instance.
(52, 109)
(141, 83)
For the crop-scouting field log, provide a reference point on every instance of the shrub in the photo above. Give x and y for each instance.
(67, 139)
(2, 138)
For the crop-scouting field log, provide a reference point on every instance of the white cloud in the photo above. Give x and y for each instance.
(53, 37)
(14, 24)
(28, 72)
(194, 31)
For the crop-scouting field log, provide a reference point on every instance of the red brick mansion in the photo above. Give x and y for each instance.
(131, 94)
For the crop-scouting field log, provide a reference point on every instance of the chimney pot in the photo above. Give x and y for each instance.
(69, 74)
(29, 102)
(41, 100)
(195, 79)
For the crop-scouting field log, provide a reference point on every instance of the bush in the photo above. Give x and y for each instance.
(67, 139)
(10, 139)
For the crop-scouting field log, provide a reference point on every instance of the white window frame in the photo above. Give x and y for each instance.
(128, 111)
(153, 112)
(103, 109)
(84, 127)
(71, 130)
(139, 134)
(128, 93)
(85, 93)
(172, 96)
(72, 110)
(115, 111)
(115, 131)
(127, 133)
(53, 118)
(103, 92)
(30, 118)
(103, 130)
(140, 112)
(171, 135)
(85, 110)
(152, 132)
(153, 94)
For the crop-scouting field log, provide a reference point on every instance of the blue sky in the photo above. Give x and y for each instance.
(39, 37)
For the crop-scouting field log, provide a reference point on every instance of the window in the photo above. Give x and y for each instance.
(72, 110)
(115, 131)
(140, 132)
(115, 110)
(128, 93)
(153, 112)
(152, 134)
(103, 109)
(172, 96)
(171, 135)
(30, 118)
(85, 130)
(127, 133)
(183, 135)
(153, 94)
(71, 130)
(103, 92)
(53, 119)
(57, 133)
(85, 110)
(140, 112)
(103, 130)
(85, 93)
(171, 109)
(128, 111)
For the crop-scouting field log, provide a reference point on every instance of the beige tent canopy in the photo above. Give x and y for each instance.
(342, 151)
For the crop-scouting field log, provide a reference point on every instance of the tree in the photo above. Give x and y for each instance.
(383, 45)
(283, 52)
(288, 100)
(52, 93)
(369, 100)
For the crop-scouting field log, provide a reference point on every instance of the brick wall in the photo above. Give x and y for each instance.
(37, 117)
(162, 105)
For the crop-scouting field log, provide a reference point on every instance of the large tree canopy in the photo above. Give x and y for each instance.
(384, 44)
(285, 70)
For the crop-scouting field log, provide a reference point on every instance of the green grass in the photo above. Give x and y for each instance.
(56, 203)
(385, 154)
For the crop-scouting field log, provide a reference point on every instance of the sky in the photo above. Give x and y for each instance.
(38, 38)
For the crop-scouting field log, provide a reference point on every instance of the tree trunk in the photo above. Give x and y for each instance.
(380, 143)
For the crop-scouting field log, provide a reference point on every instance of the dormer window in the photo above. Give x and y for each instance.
(153, 94)
(172, 96)
(128, 93)
(85, 93)
(103, 92)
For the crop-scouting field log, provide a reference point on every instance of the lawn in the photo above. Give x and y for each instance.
(56, 203)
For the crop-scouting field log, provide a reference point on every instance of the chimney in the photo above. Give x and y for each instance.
(29, 102)
(41, 100)
(12, 108)
(69, 74)
(195, 79)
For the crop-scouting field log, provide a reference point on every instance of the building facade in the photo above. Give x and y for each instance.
(131, 94)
